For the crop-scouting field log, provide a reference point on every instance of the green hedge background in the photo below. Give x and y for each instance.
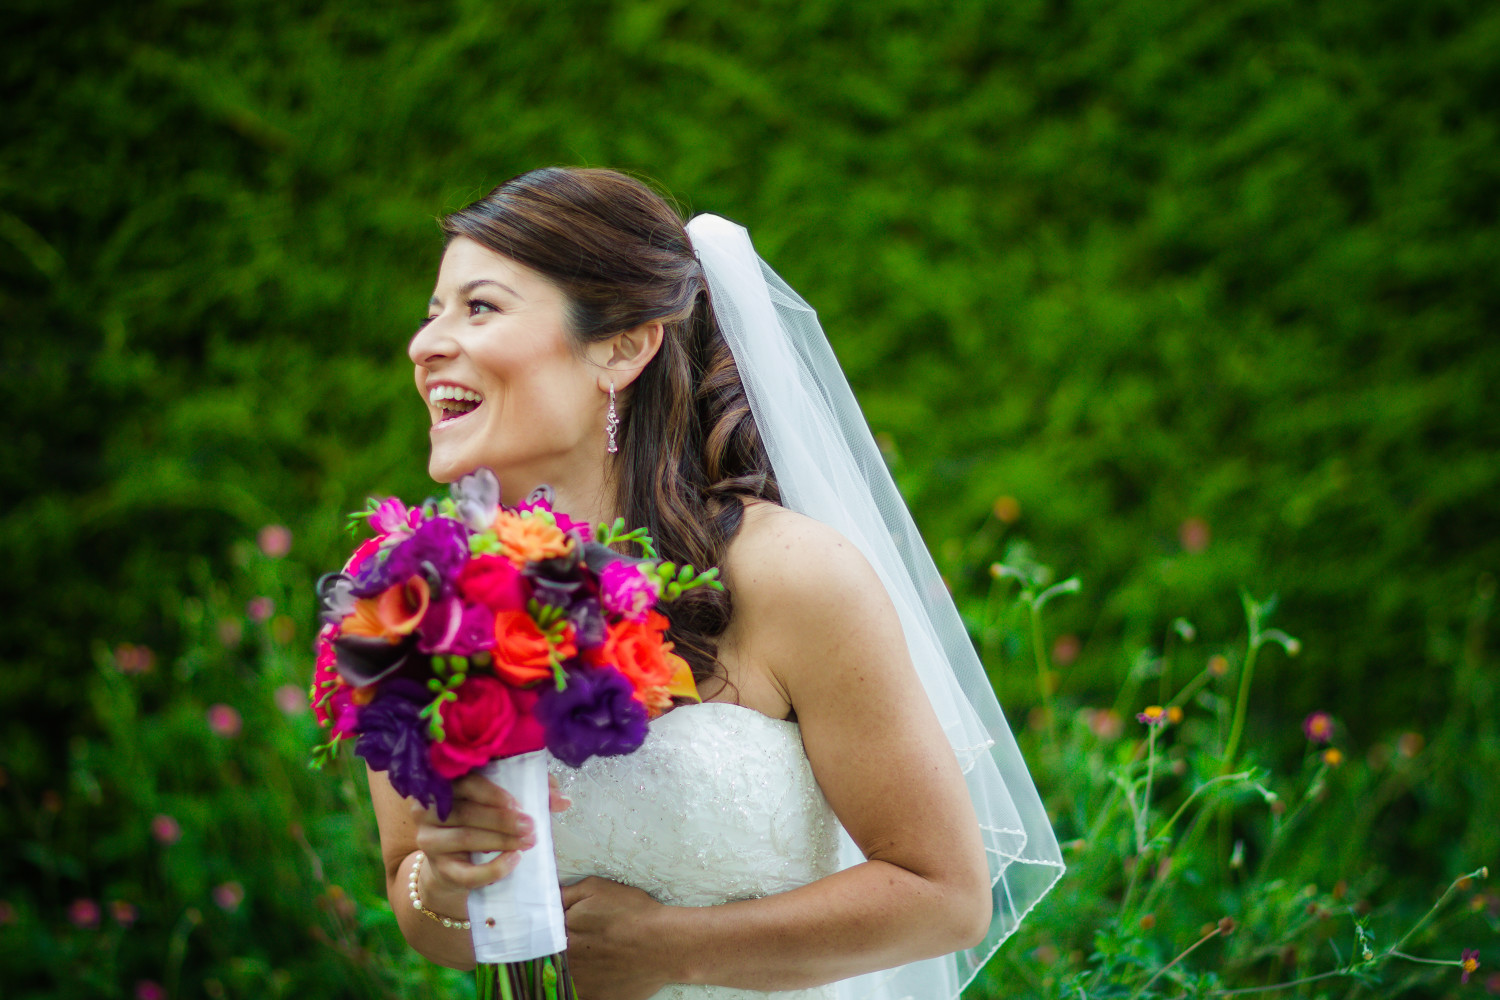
(1207, 291)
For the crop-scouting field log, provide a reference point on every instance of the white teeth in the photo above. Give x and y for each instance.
(445, 392)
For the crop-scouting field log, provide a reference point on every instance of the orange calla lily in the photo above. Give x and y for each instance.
(391, 614)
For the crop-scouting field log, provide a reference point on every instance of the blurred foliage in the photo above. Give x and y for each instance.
(1191, 295)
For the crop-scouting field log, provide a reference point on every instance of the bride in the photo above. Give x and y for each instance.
(847, 806)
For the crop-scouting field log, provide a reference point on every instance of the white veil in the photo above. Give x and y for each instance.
(828, 467)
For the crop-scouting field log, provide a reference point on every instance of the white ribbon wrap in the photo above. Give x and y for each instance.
(526, 905)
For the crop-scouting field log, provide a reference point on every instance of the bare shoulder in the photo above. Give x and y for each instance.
(781, 557)
(809, 610)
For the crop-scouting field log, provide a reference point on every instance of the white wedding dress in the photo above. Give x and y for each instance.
(718, 804)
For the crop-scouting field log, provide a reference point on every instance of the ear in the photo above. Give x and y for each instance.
(625, 355)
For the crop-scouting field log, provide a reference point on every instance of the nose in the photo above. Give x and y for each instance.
(431, 343)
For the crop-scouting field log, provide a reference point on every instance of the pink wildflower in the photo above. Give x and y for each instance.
(1154, 715)
(149, 989)
(7, 913)
(84, 913)
(124, 913)
(275, 540)
(165, 829)
(260, 609)
(1469, 963)
(1193, 534)
(1319, 727)
(229, 896)
(224, 720)
(291, 699)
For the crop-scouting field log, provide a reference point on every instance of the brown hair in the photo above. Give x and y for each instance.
(689, 449)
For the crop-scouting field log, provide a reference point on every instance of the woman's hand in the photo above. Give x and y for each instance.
(484, 817)
(610, 942)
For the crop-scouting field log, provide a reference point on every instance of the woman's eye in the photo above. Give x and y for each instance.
(425, 321)
(477, 306)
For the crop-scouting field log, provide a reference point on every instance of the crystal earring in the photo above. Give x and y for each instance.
(612, 421)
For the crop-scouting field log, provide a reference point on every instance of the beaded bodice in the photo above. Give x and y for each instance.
(718, 804)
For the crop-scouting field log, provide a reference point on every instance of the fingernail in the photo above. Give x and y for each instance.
(528, 842)
(524, 824)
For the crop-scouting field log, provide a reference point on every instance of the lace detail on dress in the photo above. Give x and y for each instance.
(718, 804)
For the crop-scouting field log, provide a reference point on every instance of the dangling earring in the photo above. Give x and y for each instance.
(612, 421)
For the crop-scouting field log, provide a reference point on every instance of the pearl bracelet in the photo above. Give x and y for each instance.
(416, 899)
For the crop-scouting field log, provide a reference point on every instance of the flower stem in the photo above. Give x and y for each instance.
(1184, 954)
(1043, 674)
(1242, 702)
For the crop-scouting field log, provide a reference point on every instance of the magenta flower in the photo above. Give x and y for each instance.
(393, 516)
(224, 720)
(84, 913)
(275, 540)
(149, 989)
(1154, 715)
(626, 591)
(165, 829)
(260, 609)
(229, 896)
(1469, 963)
(1319, 727)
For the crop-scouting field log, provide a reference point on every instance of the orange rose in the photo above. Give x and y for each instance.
(529, 539)
(639, 650)
(521, 653)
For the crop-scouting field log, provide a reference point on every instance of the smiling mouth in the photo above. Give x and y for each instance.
(454, 402)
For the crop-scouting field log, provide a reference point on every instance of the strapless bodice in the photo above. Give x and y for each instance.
(718, 804)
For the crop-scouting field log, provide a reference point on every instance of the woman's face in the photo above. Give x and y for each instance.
(503, 382)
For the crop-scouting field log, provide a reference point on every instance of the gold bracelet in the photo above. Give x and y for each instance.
(416, 899)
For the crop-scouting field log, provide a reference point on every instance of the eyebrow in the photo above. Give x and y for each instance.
(469, 286)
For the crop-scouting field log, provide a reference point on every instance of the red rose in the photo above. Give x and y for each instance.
(478, 727)
(521, 653)
(493, 582)
(639, 650)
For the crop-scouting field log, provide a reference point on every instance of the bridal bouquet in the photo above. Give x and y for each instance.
(466, 635)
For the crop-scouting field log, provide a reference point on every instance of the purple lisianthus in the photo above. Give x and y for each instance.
(392, 738)
(596, 715)
(627, 591)
(455, 626)
(437, 549)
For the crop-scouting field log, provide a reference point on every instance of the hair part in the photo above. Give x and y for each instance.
(690, 454)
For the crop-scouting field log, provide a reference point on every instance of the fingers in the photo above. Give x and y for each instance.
(556, 800)
(456, 869)
(477, 788)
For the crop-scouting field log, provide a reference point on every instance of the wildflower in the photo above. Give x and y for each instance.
(1154, 715)
(1226, 926)
(274, 540)
(124, 913)
(1106, 724)
(165, 829)
(149, 989)
(291, 699)
(133, 659)
(7, 913)
(84, 913)
(1148, 921)
(1066, 649)
(1218, 665)
(1007, 509)
(1319, 727)
(1469, 962)
(1174, 714)
(231, 631)
(1333, 756)
(1193, 534)
(224, 720)
(228, 896)
(260, 608)
(1409, 745)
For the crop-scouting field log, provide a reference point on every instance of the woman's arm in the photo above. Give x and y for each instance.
(484, 818)
(813, 618)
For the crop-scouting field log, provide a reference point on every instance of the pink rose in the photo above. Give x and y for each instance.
(626, 591)
(481, 725)
(492, 581)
